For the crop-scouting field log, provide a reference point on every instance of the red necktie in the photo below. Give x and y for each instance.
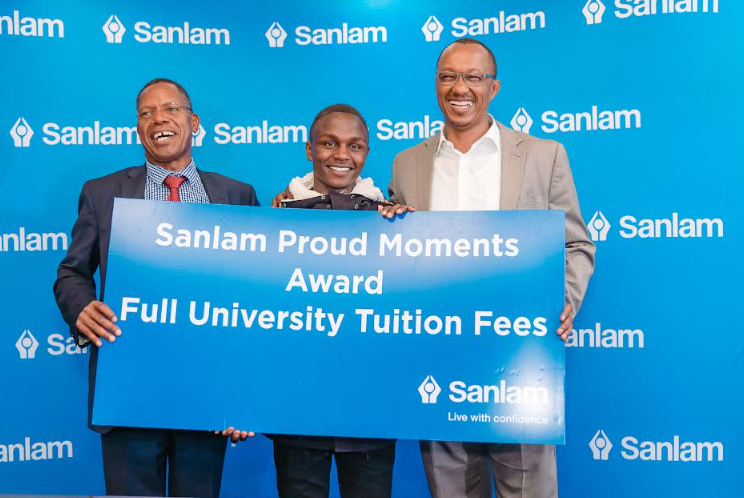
(173, 182)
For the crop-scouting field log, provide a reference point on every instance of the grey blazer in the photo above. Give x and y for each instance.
(534, 175)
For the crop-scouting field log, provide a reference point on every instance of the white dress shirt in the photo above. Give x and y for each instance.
(469, 181)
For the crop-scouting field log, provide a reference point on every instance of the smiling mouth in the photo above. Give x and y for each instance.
(341, 169)
(163, 135)
(461, 104)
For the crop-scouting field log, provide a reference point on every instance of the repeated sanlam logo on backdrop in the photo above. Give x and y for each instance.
(503, 22)
(674, 226)
(344, 34)
(34, 451)
(95, 134)
(21, 133)
(594, 10)
(674, 450)
(181, 34)
(56, 345)
(595, 118)
(27, 345)
(38, 27)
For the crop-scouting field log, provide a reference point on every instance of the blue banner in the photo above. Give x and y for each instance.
(435, 326)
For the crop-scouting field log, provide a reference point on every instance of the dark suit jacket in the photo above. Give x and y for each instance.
(75, 288)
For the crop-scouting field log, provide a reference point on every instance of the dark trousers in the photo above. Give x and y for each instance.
(306, 473)
(135, 462)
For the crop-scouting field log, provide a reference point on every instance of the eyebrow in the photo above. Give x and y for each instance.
(473, 70)
(164, 104)
(335, 137)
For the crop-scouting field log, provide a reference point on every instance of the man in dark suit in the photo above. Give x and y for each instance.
(135, 460)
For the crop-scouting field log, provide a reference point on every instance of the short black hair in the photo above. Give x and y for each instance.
(180, 89)
(471, 41)
(344, 108)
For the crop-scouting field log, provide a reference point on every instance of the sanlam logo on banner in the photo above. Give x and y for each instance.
(593, 119)
(15, 25)
(340, 35)
(183, 34)
(672, 227)
(462, 392)
(594, 10)
(675, 450)
(429, 390)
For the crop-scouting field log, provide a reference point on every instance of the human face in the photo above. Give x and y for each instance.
(338, 150)
(464, 107)
(164, 125)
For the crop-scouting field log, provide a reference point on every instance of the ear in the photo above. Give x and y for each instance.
(496, 88)
(195, 122)
(309, 151)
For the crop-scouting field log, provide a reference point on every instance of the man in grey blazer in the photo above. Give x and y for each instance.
(476, 163)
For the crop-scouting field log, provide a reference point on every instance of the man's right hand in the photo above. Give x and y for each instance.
(96, 321)
(281, 196)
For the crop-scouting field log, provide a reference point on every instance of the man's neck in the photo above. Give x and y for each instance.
(325, 189)
(172, 166)
(463, 139)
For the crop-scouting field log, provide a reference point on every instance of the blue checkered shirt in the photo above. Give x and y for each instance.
(191, 190)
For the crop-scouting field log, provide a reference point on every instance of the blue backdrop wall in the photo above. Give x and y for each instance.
(643, 93)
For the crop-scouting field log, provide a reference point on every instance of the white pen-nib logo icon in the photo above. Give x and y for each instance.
(600, 446)
(593, 11)
(429, 390)
(598, 227)
(114, 30)
(432, 29)
(26, 345)
(276, 35)
(521, 121)
(21, 133)
(198, 137)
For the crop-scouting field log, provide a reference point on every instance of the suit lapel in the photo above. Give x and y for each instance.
(216, 194)
(133, 186)
(424, 172)
(512, 167)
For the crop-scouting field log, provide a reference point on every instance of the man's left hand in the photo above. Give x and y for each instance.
(236, 435)
(566, 323)
(391, 210)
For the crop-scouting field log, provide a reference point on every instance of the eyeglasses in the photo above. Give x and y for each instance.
(449, 78)
(171, 109)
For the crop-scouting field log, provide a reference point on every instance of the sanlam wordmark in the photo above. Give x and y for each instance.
(181, 34)
(503, 22)
(17, 25)
(33, 451)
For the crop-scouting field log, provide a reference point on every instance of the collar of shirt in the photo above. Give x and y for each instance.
(492, 135)
(158, 174)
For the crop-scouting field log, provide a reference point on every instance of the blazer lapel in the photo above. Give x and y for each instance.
(216, 194)
(133, 186)
(512, 167)
(424, 173)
